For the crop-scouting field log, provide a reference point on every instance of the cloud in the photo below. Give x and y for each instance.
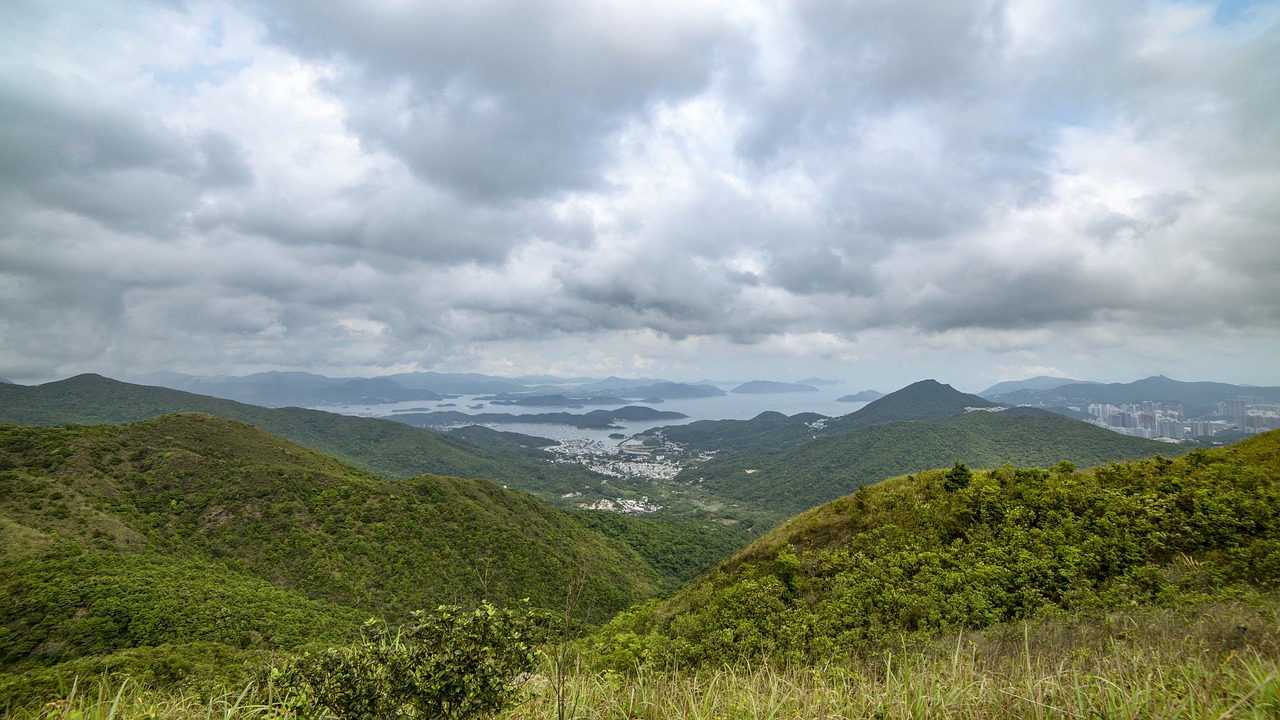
(508, 100)
(360, 186)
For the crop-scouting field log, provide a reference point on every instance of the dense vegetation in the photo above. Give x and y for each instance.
(947, 550)
(680, 550)
(192, 529)
(161, 620)
(198, 486)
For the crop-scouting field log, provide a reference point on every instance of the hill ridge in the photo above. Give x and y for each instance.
(944, 550)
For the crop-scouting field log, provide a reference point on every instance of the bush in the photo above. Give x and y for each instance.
(447, 664)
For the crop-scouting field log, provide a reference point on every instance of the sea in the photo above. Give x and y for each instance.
(733, 406)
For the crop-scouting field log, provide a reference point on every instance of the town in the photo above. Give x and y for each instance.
(1163, 421)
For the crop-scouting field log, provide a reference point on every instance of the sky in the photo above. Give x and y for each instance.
(876, 191)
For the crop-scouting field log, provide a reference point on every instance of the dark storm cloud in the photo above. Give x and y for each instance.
(67, 144)
(504, 100)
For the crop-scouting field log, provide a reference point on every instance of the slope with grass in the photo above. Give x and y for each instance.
(953, 549)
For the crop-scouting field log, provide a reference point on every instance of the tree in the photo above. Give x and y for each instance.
(957, 477)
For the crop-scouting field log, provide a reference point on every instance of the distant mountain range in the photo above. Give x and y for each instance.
(299, 389)
(1197, 398)
(1040, 382)
(861, 396)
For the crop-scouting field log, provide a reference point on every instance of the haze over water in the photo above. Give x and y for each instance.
(725, 407)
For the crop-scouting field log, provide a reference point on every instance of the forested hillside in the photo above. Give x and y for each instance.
(195, 529)
(953, 549)
(782, 482)
(194, 485)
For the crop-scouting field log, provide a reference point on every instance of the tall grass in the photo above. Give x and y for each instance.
(126, 700)
(1222, 661)
(912, 686)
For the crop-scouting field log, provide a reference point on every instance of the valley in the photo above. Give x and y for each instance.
(128, 513)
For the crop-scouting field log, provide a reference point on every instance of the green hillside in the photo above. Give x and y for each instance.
(196, 486)
(391, 450)
(924, 401)
(949, 549)
(768, 429)
(785, 482)
(63, 607)
(388, 449)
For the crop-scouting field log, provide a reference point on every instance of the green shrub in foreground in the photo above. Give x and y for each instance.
(447, 664)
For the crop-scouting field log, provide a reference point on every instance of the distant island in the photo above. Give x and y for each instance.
(761, 387)
(597, 419)
(864, 396)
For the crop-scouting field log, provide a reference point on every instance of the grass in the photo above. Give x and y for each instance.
(1120, 684)
(129, 701)
(1220, 661)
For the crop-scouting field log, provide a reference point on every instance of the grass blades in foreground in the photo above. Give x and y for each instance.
(913, 687)
(1217, 662)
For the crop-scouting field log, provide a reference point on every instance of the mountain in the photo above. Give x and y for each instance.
(389, 449)
(1197, 398)
(861, 396)
(768, 386)
(285, 389)
(783, 481)
(458, 383)
(670, 391)
(4, 381)
(1039, 382)
(944, 550)
(922, 401)
(820, 382)
(374, 390)
(769, 428)
(613, 383)
(194, 486)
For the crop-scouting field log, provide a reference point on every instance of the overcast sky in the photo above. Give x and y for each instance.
(873, 190)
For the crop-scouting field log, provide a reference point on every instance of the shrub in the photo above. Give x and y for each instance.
(446, 664)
